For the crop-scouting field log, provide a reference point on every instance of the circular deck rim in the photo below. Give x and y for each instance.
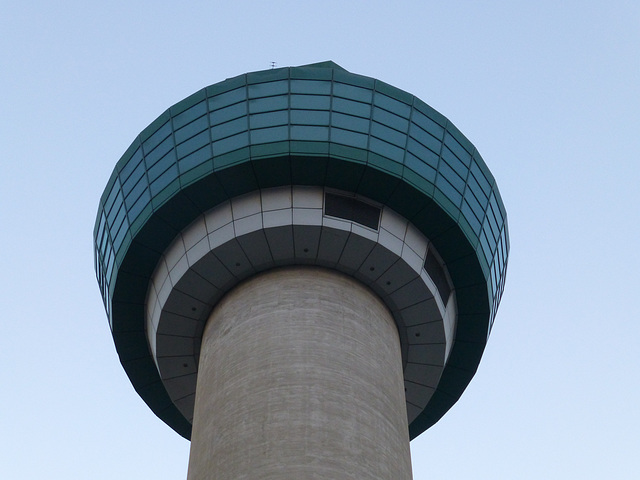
(139, 216)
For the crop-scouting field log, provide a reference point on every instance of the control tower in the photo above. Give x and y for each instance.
(301, 267)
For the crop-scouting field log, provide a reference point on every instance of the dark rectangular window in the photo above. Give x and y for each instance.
(349, 208)
(436, 272)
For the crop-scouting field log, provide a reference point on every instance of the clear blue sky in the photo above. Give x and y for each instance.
(549, 92)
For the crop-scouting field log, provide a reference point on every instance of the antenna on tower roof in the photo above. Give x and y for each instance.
(273, 65)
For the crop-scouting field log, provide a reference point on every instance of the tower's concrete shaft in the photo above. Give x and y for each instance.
(300, 377)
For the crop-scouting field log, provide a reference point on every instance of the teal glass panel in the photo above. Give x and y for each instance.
(310, 102)
(472, 184)
(227, 98)
(193, 144)
(230, 128)
(390, 119)
(268, 89)
(191, 129)
(503, 245)
(194, 159)
(117, 242)
(457, 149)
(133, 179)
(198, 110)
(161, 166)
(481, 179)
(380, 162)
(139, 205)
(268, 135)
(164, 179)
(347, 137)
(494, 277)
(453, 161)
(471, 199)
(418, 165)
(391, 105)
(103, 243)
(303, 132)
(386, 149)
(228, 113)
(452, 177)
(309, 117)
(350, 122)
(486, 229)
(100, 232)
(114, 212)
(269, 119)
(423, 153)
(426, 124)
(311, 87)
(159, 152)
(118, 221)
(352, 108)
(449, 190)
(388, 134)
(135, 193)
(349, 91)
(486, 249)
(230, 144)
(131, 165)
(493, 224)
(111, 199)
(425, 138)
(110, 260)
(496, 208)
(158, 137)
(471, 217)
(268, 104)
(499, 252)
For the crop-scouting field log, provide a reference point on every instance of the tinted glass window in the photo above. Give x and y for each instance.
(349, 138)
(189, 115)
(349, 91)
(352, 209)
(304, 132)
(312, 102)
(227, 98)
(309, 117)
(436, 272)
(310, 86)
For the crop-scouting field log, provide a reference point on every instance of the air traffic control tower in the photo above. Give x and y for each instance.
(301, 267)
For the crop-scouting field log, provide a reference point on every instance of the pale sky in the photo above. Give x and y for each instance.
(549, 93)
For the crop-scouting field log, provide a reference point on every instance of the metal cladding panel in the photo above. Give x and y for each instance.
(311, 125)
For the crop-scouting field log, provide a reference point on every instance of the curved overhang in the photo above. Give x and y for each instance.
(317, 126)
(285, 226)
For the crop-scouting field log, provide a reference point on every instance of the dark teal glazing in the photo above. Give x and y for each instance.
(310, 125)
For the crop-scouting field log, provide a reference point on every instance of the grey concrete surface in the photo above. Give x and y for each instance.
(300, 377)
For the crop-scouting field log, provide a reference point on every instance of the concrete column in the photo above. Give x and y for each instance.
(300, 377)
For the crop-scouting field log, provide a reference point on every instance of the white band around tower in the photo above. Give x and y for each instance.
(289, 226)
